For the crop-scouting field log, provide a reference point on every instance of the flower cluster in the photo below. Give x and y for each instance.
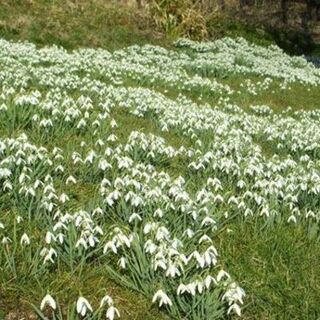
(115, 171)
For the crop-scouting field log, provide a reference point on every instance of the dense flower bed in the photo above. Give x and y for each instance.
(151, 228)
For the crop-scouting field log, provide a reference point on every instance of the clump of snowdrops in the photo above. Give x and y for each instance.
(153, 230)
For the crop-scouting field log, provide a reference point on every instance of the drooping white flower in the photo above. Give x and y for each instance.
(235, 308)
(83, 306)
(112, 312)
(6, 240)
(292, 218)
(135, 217)
(182, 289)
(208, 280)
(81, 242)
(19, 219)
(162, 297)
(71, 179)
(48, 301)
(49, 237)
(25, 240)
(106, 300)
(222, 274)
(122, 262)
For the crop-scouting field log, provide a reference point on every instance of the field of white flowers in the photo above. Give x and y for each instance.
(132, 162)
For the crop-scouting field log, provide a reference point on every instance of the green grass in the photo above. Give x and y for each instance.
(278, 264)
(220, 25)
(279, 267)
(298, 97)
(89, 282)
(74, 24)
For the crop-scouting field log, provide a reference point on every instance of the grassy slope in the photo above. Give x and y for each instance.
(277, 266)
(74, 24)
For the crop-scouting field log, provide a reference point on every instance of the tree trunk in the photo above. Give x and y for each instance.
(284, 10)
(309, 10)
(222, 4)
(242, 3)
(139, 3)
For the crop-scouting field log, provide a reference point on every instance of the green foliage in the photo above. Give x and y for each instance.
(179, 18)
(222, 25)
(293, 41)
(73, 24)
(281, 269)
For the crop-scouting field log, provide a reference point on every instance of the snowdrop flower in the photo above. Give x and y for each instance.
(97, 211)
(3, 107)
(24, 241)
(48, 254)
(192, 288)
(6, 240)
(19, 219)
(135, 217)
(113, 124)
(158, 213)
(235, 308)
(200, 259)
(189, 233)
(110, 245)
(106, 300)
(59, 168)
(104, 164)
(292, 218)
(234, 294)
(222, 274)
(82, 123)
(150, 247)
(162, 297)
(148, 227)
(63, 198)
(200, 286)
(50, 237)
(81, 242)
(182, 289)
(112, 138)
(122, 262)
(172, 270)
(48, 301)
(205, 238)
(7, 185)
(83, 306)
(112, 312)
(208, 280)
(207, 221)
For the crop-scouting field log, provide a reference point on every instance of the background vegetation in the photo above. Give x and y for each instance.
(292, 24)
